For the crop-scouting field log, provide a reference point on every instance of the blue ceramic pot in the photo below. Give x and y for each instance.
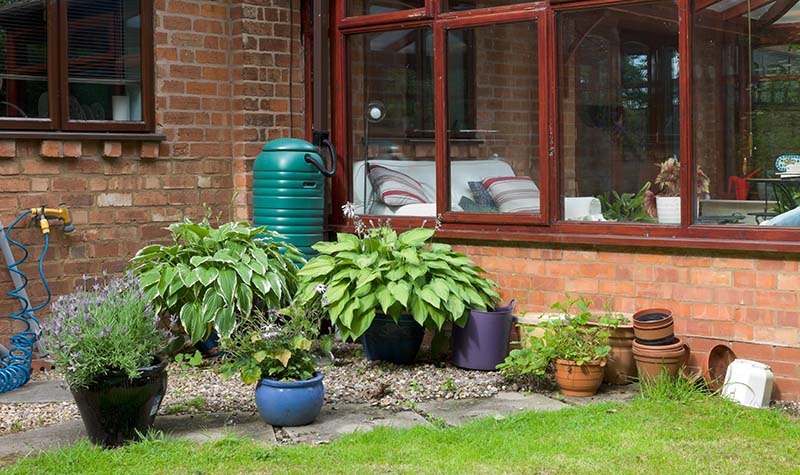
(395, 342)
(290, 403)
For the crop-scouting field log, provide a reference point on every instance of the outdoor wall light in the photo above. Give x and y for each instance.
(375, 113)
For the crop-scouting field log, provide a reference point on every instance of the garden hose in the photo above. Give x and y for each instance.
(15, 366)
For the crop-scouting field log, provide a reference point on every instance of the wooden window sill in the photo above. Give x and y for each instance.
(78, 136)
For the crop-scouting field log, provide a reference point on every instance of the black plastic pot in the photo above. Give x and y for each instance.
(395, 342)
(115, 408)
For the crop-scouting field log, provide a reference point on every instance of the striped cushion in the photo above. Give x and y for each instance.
(513, 194)
(395, 188)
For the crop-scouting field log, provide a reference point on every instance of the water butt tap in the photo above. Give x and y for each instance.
(42, 214)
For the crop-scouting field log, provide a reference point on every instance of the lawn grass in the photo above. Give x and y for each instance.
(693, 436)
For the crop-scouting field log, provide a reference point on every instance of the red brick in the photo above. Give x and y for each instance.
(8, 148)
(112, 149)
(73, 149)
(149, 150)
(51, 149)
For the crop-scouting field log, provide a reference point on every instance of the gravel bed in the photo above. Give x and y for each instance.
(349, 378)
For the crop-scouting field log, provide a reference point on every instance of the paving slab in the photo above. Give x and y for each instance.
(38, 392)
(201, 428)
(459, 411)
(340, 419)
(209, 427)
(606, 393)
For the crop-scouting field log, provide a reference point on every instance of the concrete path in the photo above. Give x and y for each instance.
(336, 419)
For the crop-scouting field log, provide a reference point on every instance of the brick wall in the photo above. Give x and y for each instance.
(749, 302)
(222, 90)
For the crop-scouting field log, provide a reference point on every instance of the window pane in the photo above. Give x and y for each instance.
(619, 112)
(493, 117)
(23, 59)
(456, 5)
(104, 60)
(747, 113)
(392, 71)
(370, 7)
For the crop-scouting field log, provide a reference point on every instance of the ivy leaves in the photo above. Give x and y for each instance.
(382, 271)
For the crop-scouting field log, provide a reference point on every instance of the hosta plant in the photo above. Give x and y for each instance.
(210, 277)
(378, 270)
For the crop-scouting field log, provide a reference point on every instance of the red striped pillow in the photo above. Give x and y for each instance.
(396, 188)
(513, 194)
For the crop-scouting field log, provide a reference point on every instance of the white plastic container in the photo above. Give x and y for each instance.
(749, 383)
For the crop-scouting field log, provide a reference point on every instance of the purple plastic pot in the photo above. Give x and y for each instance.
(483, 342)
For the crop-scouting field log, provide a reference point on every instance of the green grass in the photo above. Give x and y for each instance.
(701, 436)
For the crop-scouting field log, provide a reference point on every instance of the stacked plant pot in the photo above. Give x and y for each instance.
(655, 346)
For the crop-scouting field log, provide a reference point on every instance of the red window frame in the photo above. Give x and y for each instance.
(58, 86)
(547, 227)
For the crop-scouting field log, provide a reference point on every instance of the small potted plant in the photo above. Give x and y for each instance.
(106, 340)
(668, 202)
(210, 277)
(273, 350)
(389, 286)
(577, 349)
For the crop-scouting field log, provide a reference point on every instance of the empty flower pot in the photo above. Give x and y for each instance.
(652, 360)
(654, 326)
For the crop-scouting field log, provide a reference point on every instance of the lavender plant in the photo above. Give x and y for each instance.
(108, 327)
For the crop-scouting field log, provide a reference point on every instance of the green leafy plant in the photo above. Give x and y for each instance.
(628, 207)
(276, 344)
(211, 276)
(376, 269)
(189, 360)
(669, 179)
(109, 327)
(570, 338)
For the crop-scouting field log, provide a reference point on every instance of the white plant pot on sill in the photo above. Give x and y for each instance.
(669, 209)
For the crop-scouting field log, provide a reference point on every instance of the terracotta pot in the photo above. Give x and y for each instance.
(654, 326)
(581, 380)
(651, 360)
(620, 365)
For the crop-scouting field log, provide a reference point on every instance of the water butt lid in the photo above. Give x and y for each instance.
(716, 365)
(289, 145)
(753, 364)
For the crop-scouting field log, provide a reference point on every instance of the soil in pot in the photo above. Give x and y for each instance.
(395, 342)
(115, 408)
(290, 403)
(581, 381)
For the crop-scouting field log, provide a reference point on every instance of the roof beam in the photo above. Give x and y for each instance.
(741, 8)
(776, 12)
(703, 4)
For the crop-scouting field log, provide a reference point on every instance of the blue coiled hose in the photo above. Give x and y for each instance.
(15, 367)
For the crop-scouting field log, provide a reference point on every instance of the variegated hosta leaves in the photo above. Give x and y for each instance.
(394, 275)
(212, 276)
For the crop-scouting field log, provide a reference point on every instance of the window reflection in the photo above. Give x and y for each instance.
(618, 85)
(371, 7)
(747, 112)
(394, 170)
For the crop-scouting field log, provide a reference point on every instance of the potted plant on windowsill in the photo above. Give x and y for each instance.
(106, 340)
(210, 277)
(389, 286)
(577, 349)
(668, 202)
(274, 351)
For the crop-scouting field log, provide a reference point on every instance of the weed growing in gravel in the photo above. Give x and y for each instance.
(449, 386)
(414, 387)
(195, 404)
